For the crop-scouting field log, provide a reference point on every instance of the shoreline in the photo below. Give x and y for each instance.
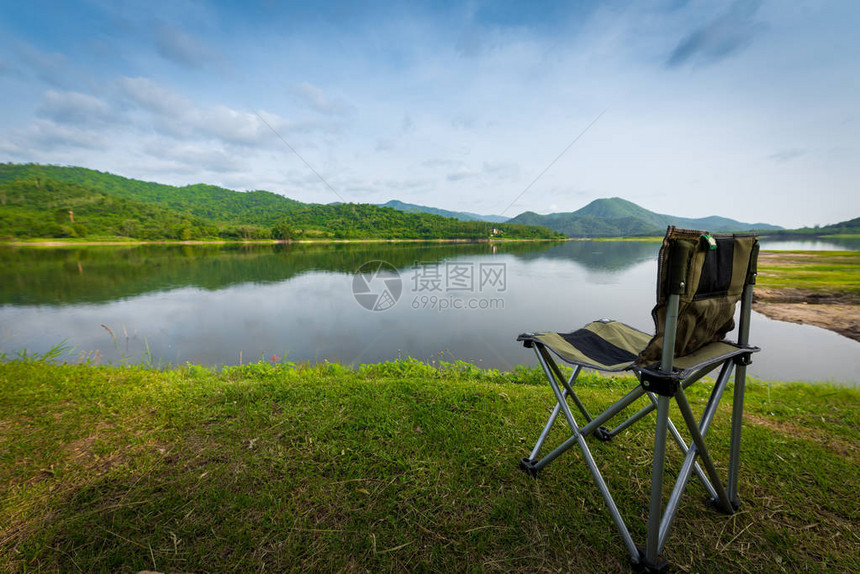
(833, 312)
(113, 243)
(810, 288)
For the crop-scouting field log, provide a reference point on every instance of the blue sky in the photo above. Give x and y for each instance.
(746, 109)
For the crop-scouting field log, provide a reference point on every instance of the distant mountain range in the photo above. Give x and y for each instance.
(849, 227)
(613, 217)
(461, 215)
(616, 217)
(126, 207)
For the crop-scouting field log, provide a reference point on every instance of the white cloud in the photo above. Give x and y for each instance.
(154, 97)
(462, 173)
(74, 108)
(48, 136)
(407, 126)
(181, 48)
(173, 114)
(727, 34)
(384, 145)
(318, 101)
(52, 68)
(490, 170)
(196, 156)
(231, 126)
(788, 154)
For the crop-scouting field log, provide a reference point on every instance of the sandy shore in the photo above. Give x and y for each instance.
(836, 313)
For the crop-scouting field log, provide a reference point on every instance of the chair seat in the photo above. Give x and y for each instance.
(602, 345)
(614, 346)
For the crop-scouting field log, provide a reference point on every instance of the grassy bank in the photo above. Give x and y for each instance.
(829, 272)
(395, 467)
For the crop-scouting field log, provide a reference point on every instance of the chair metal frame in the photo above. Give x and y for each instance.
(660, 386)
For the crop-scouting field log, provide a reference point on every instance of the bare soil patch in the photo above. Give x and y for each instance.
(838, 312)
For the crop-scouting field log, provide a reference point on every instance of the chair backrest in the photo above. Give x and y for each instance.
(709, 273)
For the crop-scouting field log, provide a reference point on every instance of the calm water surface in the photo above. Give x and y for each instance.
(222, 305)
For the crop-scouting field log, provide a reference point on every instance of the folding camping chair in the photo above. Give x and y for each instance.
(701, 277)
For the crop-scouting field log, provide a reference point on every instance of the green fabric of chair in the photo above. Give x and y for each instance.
(700, 280)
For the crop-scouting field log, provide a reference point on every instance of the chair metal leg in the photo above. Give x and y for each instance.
(589, 459)
(609, 413)
(740, 385)
(649, 408)
(657, 471)
(592, 427)
(737, 422)
(545, 362)
(660, 518)
(703, 453)
(531, 464)
(646, 410)
(720, 384)
(696, 468)
(542, 438)
(689, 460)
(541, 350)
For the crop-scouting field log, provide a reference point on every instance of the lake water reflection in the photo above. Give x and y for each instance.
(214, 305)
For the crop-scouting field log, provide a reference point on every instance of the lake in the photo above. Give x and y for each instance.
(222, 305)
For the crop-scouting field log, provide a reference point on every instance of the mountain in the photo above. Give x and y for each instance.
(849, 227)
(852, 226)
(48, 208)
(44, 201)
(461, 215)
(616, 217)
(198, 200)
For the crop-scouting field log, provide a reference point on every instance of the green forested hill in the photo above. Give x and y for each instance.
(616, 217)
(363, 220)
(205, 201)
(462, 215)
(35, 201)
(46, 208)
(591, 226)
(850, 227)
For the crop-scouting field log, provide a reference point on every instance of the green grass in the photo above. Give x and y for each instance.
(393, 467)
(822, 271)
